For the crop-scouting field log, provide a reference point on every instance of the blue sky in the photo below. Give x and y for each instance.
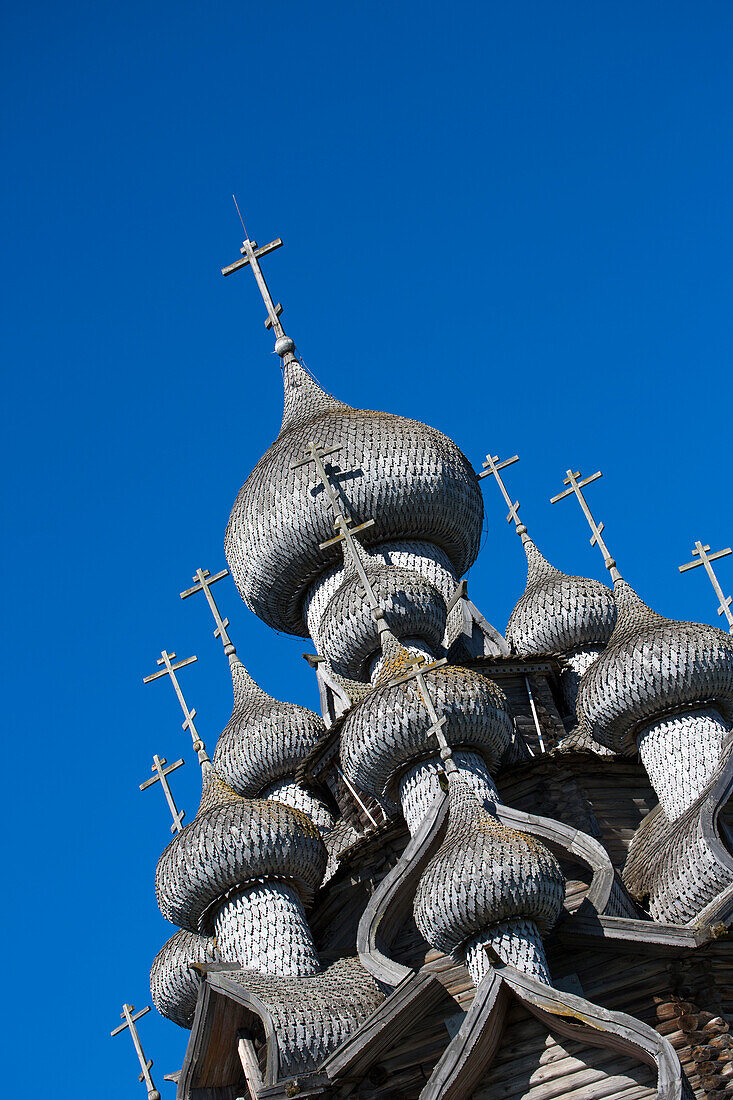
(512, 221)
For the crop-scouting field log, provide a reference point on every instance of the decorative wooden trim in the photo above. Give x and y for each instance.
(576, 843)
(576, 1018)
(392, 900)
(471, 1051)
(416, 995)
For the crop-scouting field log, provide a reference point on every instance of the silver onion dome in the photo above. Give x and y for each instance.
(173, 984)
(558, 613)
(233, 841)
(483, 874)
(264, 739)
(389, 728)
(652, 665)
(410, 479)
(349, 635)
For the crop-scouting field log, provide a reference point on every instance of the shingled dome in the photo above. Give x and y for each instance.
(174, 986)
(233, 841)
(557, 613)
(389, 727)
(410, 479)
(483, 874)
(652, 665)
(412, 606)
(264, 739)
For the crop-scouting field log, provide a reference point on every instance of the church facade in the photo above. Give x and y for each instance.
(495, 865)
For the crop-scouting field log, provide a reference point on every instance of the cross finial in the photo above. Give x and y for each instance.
(130, 1017)
(251, 254)
(343, 524)
(705, 558)
(576, 487)
(204, 581)
(493, 466)
(161, 774)
(417, 669)
(170, 669)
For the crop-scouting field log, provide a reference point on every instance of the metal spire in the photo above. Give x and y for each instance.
(204, 581)
(251, 255)
(704, 558)
(189, 715)
(161, 773)
(342, 523)
(146, 1064)
(493, 466)
(576, 487)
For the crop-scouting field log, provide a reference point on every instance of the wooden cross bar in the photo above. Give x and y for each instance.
(161, 773)
(189, 715)
(251, 255)
(705, 558)
(342, 522)
(576, 488)
(493, 466)
(204, 581)
(418, 668)
(130, 1018)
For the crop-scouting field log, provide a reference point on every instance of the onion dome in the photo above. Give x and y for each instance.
(264, 739)
(349, 635)
(389, 727)
(652, 665)
(483, 874)
(233, 841)
(557, 613)
(173, 984)
(410, 479)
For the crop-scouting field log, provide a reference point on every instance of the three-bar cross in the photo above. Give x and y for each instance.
(705, 558)
(417, 670)
(161, 774)
(251, 255)
(189, 715)
(342, 522)
(204, 581)
(492, 466)
(576, 487)
(130, 1018)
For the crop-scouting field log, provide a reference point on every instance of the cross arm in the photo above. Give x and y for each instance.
(173, 668)
(710, 557)
(208, 579)
(491, 464)
(257, 252)
(132, 1019)
(313, 453)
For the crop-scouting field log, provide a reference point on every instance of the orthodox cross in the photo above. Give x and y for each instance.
(204, 581)
(342, 522)
(576, 487)
(705, 558)
(251, 255)
(417, 669)
(189, 715)
(161, 774)
(493, 466)
(130, 1017)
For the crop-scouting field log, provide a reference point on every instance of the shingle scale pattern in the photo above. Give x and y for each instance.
(388, 729)
(265, 739)
(556, 612)
(652, 665)
(264, 927)
(516, 942)
(173, 985)
(233, 841)
(482, 874)
(411, 479)
(313, 1015)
